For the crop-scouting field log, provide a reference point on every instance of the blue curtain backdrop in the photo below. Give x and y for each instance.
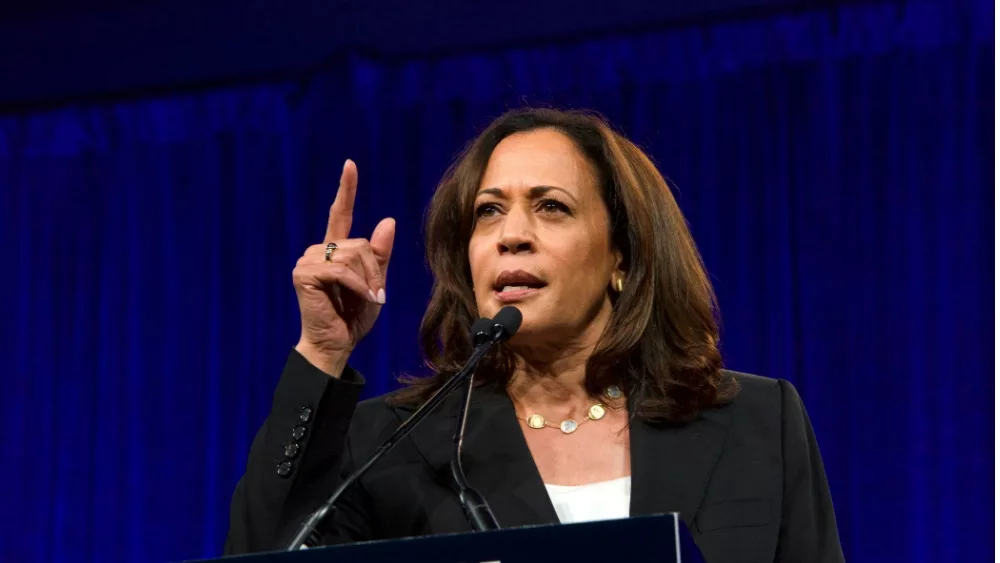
(835, 166)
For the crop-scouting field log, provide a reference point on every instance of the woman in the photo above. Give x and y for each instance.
(610, 400)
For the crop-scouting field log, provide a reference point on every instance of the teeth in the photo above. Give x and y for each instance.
(514, 288)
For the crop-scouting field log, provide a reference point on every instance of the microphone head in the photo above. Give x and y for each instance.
(481, 330)
(508, 320)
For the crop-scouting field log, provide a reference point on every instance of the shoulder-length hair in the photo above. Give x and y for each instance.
(661, 343)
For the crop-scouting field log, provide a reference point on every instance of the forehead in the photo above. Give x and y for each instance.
(543, 157)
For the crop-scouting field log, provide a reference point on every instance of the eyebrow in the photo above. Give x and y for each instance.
(534, 192)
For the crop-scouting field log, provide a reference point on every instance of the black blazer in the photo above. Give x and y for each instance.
(747, 477)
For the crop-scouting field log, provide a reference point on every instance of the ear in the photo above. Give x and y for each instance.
(617, 273)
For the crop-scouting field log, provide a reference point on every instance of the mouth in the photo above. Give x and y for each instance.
(513, 294)
(512, 286)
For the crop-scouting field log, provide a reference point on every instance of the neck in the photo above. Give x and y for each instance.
(551, 376)
(553, 382)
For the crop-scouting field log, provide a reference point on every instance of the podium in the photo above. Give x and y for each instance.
(660, 538)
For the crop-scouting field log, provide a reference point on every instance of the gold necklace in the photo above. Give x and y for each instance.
(568, 426)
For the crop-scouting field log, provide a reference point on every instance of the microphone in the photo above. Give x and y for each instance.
(504, 325)
(474, 504)
(481, 331)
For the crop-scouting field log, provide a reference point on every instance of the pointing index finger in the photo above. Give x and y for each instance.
(342, 210)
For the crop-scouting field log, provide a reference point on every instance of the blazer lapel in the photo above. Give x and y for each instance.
(495, 457)
(498, 463)
(672, 464)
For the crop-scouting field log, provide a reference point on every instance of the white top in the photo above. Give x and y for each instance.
(607, 500)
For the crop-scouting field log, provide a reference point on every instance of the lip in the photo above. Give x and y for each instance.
(517, 277)
(515, 295)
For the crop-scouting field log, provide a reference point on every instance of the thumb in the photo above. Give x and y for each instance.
(381, 242)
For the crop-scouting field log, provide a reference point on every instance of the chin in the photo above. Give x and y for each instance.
(535, 321)
(533, 329)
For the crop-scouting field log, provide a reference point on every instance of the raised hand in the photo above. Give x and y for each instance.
(341, 291)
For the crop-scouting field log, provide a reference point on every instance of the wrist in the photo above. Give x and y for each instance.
(330, 361)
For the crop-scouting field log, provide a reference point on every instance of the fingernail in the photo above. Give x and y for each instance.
(345, 165)
(381, 296)
(372, 294)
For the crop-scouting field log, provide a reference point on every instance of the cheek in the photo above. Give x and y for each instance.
(581, 254)
(584, 260)
(476, 263)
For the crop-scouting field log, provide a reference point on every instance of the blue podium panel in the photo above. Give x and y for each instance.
(661, 538)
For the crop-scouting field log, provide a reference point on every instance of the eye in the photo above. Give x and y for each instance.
(553, 206)
(486, 210)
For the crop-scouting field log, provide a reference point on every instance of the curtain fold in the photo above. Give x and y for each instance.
(834, 165)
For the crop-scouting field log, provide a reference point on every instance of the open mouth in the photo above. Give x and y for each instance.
(517, 285)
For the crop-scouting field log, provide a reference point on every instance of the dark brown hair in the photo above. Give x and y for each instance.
(661, 343)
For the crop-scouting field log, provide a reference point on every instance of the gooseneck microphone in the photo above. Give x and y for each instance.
(474, 504)
(504, 325)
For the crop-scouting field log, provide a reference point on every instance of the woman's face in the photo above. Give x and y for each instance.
(541, 240)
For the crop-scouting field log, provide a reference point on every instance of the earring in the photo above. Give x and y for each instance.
(619, 283)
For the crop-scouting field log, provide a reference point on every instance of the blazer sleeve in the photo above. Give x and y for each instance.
(297, 458)
(808, 524)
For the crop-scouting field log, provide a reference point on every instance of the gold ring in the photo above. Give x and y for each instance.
(329, 251)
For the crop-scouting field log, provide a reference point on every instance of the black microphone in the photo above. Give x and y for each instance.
(474, 504)
(505, 324)
(481, 331)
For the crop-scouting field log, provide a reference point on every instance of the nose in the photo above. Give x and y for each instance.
(517, 235)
